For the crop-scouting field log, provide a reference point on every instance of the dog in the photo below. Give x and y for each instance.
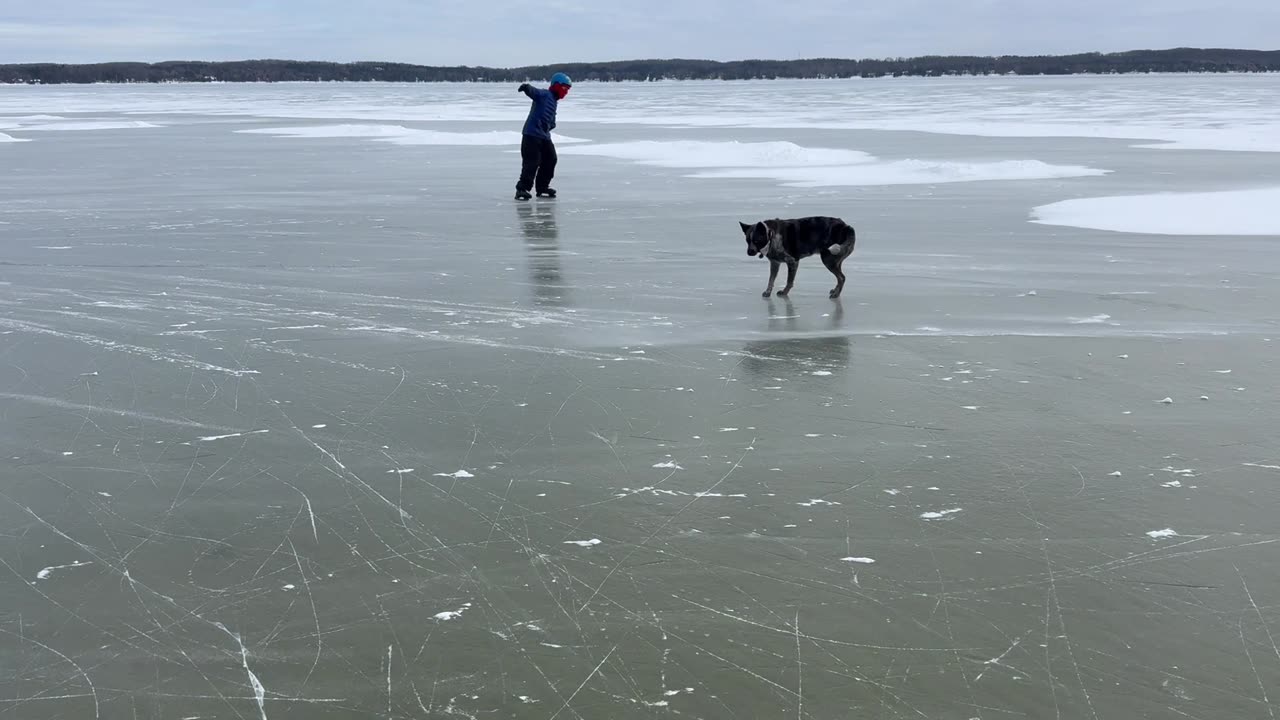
(788, 241)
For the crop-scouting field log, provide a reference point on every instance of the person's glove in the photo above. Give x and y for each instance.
(523, 87)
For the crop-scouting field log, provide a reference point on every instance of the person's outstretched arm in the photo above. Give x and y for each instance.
(530, 90)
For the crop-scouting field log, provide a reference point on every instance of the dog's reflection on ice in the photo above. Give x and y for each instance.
(799, 347)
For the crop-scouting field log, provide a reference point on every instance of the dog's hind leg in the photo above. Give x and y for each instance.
(792, 266)
(833, 264)
(773, 275)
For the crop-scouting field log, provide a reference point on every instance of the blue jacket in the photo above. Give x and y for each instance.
(542, 116)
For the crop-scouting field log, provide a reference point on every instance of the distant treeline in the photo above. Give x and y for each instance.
(1177, 60)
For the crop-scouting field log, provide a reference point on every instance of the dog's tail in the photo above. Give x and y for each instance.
(845, 247)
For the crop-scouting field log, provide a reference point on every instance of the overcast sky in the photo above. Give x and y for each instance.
(529, 32)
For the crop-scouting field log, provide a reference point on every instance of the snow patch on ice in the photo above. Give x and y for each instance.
(47, 572)
(401, 135)
(82, 125)
(1232, 212)
(907, 172)
(452, 614)
(214, 438)
(800, 166)
(722, 154)
(1226, 134)
(1092, 320)
(860, 560)
(1157, 534)
(938, 514)
(583, 543)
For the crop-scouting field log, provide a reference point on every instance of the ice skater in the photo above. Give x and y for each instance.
(537, 152)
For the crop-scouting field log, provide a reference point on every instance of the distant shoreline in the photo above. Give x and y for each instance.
(956, 76)
(1172, 61)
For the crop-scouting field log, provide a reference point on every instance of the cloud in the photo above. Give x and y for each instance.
(525, 32)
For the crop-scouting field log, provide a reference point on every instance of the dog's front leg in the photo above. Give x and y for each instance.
(791, 278)
(773, 275)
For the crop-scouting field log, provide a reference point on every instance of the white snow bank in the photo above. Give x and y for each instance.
(28, 118)
(401, 135)
(731, 154)
(82, 125)
(1250, 137)
(492, 138)
(799, 166)
(332, 131)
(1233, 212)
(10, 139)
(909, 172)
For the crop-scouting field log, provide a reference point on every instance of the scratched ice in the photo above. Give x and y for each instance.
(318, 425)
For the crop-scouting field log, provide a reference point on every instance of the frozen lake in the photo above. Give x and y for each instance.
(304, 417)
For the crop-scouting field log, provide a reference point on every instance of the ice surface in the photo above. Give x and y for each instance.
(563, 454)
(1184, 112)
(1231, 212)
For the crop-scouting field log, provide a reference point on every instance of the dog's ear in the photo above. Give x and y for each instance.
(746, 229)
(762, 227)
